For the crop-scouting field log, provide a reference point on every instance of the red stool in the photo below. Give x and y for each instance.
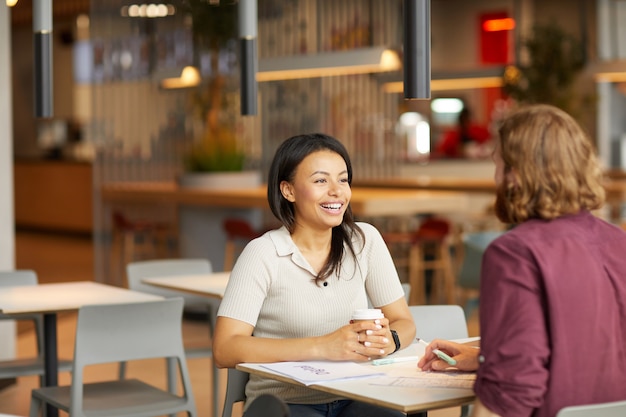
(142, 239)
(238, 233)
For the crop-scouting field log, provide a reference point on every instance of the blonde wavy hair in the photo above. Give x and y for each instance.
(553, 164)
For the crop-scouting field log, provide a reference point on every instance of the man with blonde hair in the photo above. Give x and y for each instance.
(553, 288)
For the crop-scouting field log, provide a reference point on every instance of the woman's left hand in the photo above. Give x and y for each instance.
(375, 337)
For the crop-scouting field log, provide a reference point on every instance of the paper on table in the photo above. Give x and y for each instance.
(317, 372)
(430, 380)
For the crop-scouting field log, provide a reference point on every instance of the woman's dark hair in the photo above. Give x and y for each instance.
(286, 160)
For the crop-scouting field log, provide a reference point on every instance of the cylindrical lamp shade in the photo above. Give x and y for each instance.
(416, 59)
(248, 55)
(42, 47)
(248, 65)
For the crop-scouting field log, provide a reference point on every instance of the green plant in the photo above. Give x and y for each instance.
(217, 151)
(214, 26)
(555, 59)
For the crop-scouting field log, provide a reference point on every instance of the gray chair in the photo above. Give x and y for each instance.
(137, 271)
(468, 280)
(611, 409)
(267, 405)
(109, 333)
(440, 322)
(13, 368)
(235, 390)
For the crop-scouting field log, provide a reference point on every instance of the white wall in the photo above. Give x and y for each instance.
(7, 230)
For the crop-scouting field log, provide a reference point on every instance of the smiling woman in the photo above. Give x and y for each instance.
(295, 288)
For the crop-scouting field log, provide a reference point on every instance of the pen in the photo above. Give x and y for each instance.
(439, 353)
(387, 361)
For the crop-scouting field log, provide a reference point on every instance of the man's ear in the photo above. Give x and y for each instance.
(287, 191)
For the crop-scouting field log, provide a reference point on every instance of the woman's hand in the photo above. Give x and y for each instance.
(375, 336)
(360, 341)
(466, 357)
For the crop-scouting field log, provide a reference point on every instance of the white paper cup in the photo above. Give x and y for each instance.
(367, 314)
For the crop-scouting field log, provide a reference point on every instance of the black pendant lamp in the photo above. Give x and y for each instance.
(42, 46)
(416, 57)
(248, 58)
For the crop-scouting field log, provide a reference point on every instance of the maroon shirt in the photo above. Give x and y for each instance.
(553, 317)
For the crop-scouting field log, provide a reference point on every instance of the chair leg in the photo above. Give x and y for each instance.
(216, 390)
(229, 255)
(171, 377)
(122, 370)
(35, 407)
(416, 276)
(447, 274)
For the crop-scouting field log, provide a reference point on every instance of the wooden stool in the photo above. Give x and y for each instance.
(430, 239)
(238, 233)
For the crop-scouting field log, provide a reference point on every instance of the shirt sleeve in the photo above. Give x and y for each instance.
(382, 282)
(513, 375)
(248, 284)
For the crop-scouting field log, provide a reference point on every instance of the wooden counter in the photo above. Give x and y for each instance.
(54, 195)
(615, 188)
(365, 201)
(425, 182)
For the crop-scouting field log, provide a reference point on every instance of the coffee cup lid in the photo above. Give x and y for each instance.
(367, 313)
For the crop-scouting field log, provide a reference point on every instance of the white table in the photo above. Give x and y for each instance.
(208, 285)
(50, 299)
(415, 401)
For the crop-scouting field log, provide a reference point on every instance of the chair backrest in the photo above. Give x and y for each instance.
(109, 333)
(267, 405)
(474, 245)
(612, 409)
(407, 291)
(18, 278)
(235, 390)
(137, 271)
(439, 322)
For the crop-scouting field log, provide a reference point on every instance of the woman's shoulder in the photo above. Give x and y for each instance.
(368, 229)
(275, 241)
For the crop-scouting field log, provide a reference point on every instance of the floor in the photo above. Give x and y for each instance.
(58, 258)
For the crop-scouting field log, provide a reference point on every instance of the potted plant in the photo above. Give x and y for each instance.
(216, 158)
(555, 59)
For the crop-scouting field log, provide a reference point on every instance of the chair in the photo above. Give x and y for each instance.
(235, 390)
(267, 405)
(440, 322)
(470, 259)
(137, 271)
(611, 409)
(13, 368)
(428, 249)
(238, 233)
(109, 333)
